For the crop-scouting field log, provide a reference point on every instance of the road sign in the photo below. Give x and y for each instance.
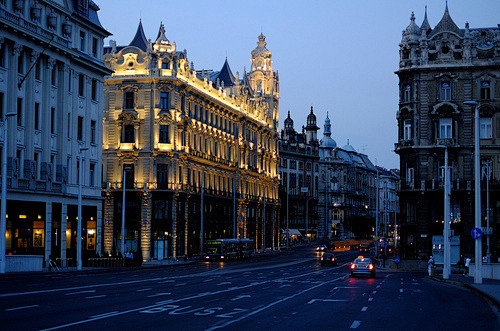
(376, 243)
(476, 233)
(383, 244)
(396, 259)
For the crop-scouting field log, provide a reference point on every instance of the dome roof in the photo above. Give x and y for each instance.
(327, 142)
(261, 49)
(311, 121)
(412, 32)
(288, 121)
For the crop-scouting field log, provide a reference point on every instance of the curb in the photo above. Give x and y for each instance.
(471, 288)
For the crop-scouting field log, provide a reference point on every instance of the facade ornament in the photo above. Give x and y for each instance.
(16, 49)
(51, 19)
(36, 11)
(66, 27)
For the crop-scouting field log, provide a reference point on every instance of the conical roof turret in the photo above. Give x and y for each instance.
(425, 24)
(446, 25)
(311, 121)
(140, 40)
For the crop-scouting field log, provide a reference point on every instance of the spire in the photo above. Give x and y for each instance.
(446, 25)
(328, 126)
(140, 41)
(425, 24)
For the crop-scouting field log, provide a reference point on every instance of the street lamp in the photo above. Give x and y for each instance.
(3, 210)
(487, 175)
(478, 277)
(122, 241)
(79, 223)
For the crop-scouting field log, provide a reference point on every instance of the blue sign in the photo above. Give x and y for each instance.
(396, 259)
(476, 233)
(383, 244)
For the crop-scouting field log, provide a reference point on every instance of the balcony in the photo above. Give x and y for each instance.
(448, 142)
(436, 185)
(403, 143)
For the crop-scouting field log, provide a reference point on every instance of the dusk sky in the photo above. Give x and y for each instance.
(337, 56)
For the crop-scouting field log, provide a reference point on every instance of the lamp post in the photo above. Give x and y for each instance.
(478, 277)
(487, 175)
(122, 241)
(79, 223)
(3, 210)
(446, 229)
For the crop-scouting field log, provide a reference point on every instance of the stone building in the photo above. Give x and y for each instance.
(51, 77)
(299, 162)
(439, 69)
(347, 188)
(171, 133)
(388, 202)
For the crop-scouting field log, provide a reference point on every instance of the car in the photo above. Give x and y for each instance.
(363, 266)
(321, 248)
(328, 258)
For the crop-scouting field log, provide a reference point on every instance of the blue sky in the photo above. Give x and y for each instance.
(337, 56)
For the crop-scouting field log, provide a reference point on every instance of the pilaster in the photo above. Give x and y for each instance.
(174, 224)
(108, 222)
(48, 231)
(146, 226)
(64, 222)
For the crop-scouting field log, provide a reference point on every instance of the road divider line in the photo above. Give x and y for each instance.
(96, 296)
(159, 294)
(144, 289)
(23, 307)
(364, 308)
(80, 292)
(355, 324)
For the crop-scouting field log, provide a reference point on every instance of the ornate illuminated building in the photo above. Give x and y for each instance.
(174, 133)
(439, 70)
(58, 110)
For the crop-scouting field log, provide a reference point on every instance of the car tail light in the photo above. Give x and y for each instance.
(333, 259)
(321, 258)
(207, 257)
(370, 266)
(353, 266)
(222, 257)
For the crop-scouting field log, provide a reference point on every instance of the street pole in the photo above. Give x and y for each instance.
(79, 223)
(307, 220)
(478, 277)
(446, 228)
(377, 211)
(487, 174)
(3, 210)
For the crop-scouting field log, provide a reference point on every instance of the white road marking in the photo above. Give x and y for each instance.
(378, 286)
(325, 300)
(181, 284)
(402, 283)
(241, 297)
(158, 294)
(170, 281)
(355, 324)
(370, 299)
(224, 283)
(96, 296)
(401, 290)
(90, 291)
(364, 308)
(374, 292)
(23, 307)
(144, 289)
(111, 313)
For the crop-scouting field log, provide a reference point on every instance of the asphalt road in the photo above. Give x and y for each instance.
(286, 291)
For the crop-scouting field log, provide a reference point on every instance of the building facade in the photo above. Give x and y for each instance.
(440, 68)
(51, 77)
(388, 205)
(299, 172)
(347, 190)
(177, 139)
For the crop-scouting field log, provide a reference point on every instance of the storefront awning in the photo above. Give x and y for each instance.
(292, 232)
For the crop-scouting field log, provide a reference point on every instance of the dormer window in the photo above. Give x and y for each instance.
(485, 90)
(407, 93)
(445, 92)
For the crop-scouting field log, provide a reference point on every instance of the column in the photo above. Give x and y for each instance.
(48, 231)
(242, 217)
(108, 222)
(186, 224)
(174, 224)
(146, 225)
(64, 215)
(99, 220)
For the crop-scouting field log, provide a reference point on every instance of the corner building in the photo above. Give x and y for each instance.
(58, 109)
(440, 68)
(171, 133)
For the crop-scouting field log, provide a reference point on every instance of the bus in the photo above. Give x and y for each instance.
(229, 249)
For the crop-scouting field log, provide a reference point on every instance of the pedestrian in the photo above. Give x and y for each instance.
(430, 265)
(467, 264)
(131, 259)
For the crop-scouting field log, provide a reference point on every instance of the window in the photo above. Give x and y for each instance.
(19, 111)
(409, 176)
(94, 46)
(82, 41)
(52, 120)
(81, 84)
(164, 100)
(20, 63)
(69, 125)
(162, 175)
(445, 128)
(37, 116)
(92, 174)
(301, 165)
(164, 65)
(308, 166)
(2, 55)
(293, 164)
(407, 130)
(36, 158)
(285, 163)
(485, 91)
(80, 128)
(70, 76)
(485, 128)
(38, 70)
(445, 91)
(129, 100)
(164, 137)
(53, 76)
(316, 168)
(94, 89)
(92, 131)
(128, 133)
(407, 93)
(293, 180)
